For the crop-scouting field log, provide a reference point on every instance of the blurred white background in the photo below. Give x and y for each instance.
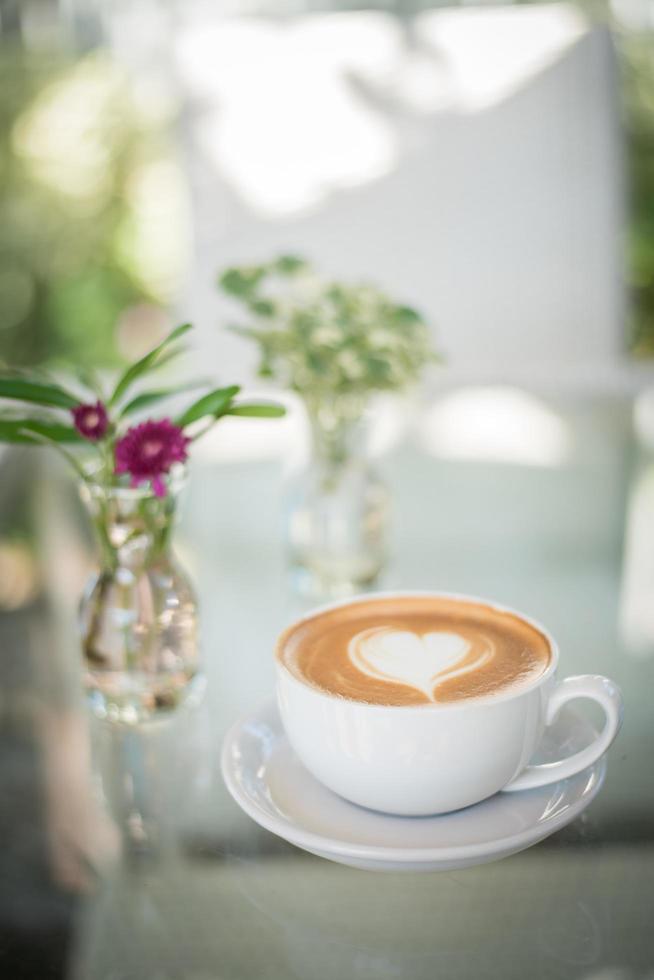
(467, 159)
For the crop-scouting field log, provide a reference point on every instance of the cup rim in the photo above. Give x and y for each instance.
(464, 704)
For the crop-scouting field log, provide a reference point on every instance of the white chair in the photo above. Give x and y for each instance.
(471, 166)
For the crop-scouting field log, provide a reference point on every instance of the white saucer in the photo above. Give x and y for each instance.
(270, 784)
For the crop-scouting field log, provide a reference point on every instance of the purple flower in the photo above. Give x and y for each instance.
(91, 421)
(148, 450)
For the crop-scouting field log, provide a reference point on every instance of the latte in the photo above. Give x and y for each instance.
(412, 650)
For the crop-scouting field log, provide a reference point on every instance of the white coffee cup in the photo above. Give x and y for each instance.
(428, 759)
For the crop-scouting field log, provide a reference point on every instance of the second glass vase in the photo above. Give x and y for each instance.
(337, 508)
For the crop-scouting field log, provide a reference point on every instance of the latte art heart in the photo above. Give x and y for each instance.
(414, 659)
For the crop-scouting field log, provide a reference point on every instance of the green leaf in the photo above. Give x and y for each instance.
(404, 315)
(90, 380)
(31, 435)
(288, 265)
(14, 430)
(263, 307)
(259, 410)
(41, 394)
(170, 354)
(146, 363)
(150, 397)
(243, 281)
(215, 403)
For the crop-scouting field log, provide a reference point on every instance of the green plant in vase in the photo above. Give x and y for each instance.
(335, 345)
(138, 616)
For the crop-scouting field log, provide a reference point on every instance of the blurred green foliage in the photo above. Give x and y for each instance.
(637, 60)
(327, 341)
(75, 154)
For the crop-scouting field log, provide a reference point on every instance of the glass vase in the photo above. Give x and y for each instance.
(138, 615)
(337, 508)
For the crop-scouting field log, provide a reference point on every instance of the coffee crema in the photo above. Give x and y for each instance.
(411, 650)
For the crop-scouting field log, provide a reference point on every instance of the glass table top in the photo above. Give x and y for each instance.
(125, 857)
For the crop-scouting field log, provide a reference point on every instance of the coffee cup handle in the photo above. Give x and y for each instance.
(597, 688)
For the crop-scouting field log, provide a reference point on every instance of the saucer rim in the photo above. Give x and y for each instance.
(310, 840)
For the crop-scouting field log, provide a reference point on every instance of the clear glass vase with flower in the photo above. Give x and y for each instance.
(138, 615)
(335, 345)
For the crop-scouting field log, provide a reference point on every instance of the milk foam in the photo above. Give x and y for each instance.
(415, 659)
(412, 650)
